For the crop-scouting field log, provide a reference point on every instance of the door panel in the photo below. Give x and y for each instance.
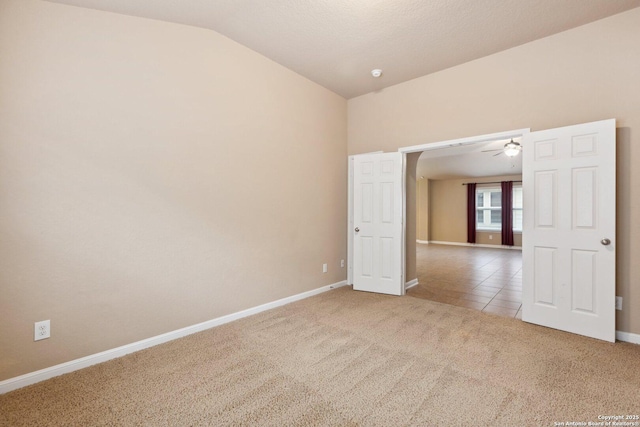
(544, 281)
(377, 233)
(569, 188)
(545, 199)
(583, 197)
(584, 280)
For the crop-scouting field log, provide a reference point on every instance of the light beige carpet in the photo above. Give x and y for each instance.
(346, 358)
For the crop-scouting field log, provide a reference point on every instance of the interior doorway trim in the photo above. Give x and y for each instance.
(471, 140)
(452, 143)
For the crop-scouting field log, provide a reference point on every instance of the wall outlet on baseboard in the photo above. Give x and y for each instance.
(324, 268)
(42, 330)
(618, 303)
(342, 263)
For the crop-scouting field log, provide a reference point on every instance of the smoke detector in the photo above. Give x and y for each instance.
(376, 73)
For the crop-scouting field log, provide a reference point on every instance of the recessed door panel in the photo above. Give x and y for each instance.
(386, 258)
(366, 244)
(545, 150)
(387, 167)
(583, 280)
(545, 199)
(366, 168)
(584, 145)
(544, 276)
(367, 203)
(386, 202)
(584, 195)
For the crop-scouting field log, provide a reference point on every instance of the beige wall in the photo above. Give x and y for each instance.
(153, 176)
(488, 238)
(448, 211)
(422, 196)
(585, 74)
(411, 218)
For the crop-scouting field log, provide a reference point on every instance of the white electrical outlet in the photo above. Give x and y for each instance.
(324, 268)
(42, 330)
(490, 236)
(342, 263)
(618, 303)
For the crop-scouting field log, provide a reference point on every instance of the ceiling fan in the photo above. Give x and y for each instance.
(511, 149)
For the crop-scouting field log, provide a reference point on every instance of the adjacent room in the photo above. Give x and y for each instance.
(175, 207)
(463, 257)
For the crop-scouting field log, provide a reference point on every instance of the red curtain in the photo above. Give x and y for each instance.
(471, 213)
(507, 213)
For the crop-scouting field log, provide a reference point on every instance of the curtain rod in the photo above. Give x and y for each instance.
(494, 182)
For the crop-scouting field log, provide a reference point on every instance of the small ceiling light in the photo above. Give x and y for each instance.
(512, 148)
(376, 73)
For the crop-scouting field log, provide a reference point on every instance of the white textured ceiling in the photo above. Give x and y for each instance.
(336, 43)
(470, 161)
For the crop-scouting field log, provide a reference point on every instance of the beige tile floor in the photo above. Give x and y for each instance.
(483, 279)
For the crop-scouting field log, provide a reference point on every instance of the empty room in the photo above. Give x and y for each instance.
(469, 235)
(225, 212)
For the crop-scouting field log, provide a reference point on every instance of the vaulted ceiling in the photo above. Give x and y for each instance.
(336, 43)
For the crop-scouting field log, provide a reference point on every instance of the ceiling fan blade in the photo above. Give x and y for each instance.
(497, 154)
(489, 151)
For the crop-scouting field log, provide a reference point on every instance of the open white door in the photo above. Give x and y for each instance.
(569, 186)
(378, 223)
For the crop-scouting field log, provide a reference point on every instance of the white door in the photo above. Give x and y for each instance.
(569, 255)
(377, 220)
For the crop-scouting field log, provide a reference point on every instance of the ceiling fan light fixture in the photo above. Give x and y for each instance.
(512, 148)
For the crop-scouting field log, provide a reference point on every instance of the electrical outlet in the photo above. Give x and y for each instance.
(490, 236)
(342, 263)
(324, 268)
(42, 330)
(618, 303)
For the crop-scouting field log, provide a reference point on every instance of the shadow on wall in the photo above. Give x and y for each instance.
(623, 222)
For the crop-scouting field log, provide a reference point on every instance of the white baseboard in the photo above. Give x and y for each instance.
(74, 365)
(628, 337)
(423, 242)
(476, 245)
(410, 284)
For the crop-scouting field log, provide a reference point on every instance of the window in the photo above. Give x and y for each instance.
(517, 207)
(489, 208)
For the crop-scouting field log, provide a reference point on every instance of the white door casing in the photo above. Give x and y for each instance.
(378, 223)
(569, 248)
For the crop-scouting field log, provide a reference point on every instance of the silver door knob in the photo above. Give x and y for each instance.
(605, 241)
(357, 229)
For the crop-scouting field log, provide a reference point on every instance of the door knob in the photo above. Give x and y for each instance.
(605, 241)
(357, 229)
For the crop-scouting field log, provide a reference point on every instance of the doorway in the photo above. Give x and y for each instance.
(484, 275)
(568, 269)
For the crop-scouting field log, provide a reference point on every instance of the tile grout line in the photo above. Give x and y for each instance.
(446, 285)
